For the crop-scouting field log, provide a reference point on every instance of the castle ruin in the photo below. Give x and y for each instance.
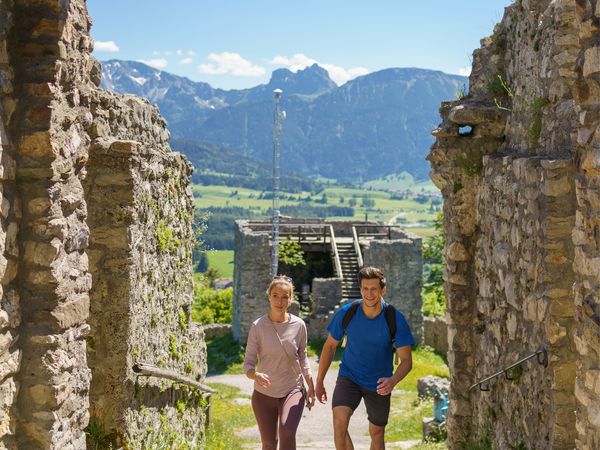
(518, 163)
(95, 249)
(335, 251)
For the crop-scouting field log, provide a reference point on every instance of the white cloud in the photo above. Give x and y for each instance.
(191, 53)
(300, 61)
(106, 46)
(464, 71)
(232, 64)
(159, 63)
(186, 61)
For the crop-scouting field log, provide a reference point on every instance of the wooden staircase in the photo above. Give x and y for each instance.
(349, 263)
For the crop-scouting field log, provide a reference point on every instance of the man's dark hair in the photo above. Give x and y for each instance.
(371, 273)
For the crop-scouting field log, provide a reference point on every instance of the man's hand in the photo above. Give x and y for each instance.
(385, 386)
(262, 379)
(321, 392)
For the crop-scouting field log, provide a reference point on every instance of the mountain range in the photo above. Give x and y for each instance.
(372, 126)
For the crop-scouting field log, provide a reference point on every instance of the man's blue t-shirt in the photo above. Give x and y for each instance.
(368, 353)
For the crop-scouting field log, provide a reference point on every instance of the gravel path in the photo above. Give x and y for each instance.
(316, 428)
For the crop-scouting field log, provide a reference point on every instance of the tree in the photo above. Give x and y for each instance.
(434, 299)
(202, 265)
(290, 253)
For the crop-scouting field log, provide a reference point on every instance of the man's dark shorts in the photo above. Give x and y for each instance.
(348, 393)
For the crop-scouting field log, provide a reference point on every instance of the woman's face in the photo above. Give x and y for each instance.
(280, 297)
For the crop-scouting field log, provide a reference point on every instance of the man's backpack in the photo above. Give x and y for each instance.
(390, 318)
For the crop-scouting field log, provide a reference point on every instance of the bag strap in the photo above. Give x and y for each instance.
(299, 376)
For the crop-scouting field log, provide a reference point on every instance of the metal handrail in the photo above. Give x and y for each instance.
(357, 248)
(542, 361)
(336, 256)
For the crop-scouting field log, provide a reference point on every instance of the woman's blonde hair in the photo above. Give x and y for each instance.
(281, 279)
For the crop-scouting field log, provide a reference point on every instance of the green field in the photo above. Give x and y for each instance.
(415, 210)
(222, 260)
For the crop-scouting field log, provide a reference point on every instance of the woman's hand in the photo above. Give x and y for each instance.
(310, 397)
(262, 379)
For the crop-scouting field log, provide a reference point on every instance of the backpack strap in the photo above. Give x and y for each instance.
(390, 318)
(349, 314)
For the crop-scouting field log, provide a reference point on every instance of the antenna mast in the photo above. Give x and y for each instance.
(277, 116)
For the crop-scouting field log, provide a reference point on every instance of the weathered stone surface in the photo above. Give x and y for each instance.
(530, 210)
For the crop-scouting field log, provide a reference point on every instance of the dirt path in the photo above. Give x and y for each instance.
(316, 427)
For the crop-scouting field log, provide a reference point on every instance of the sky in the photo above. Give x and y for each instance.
(236, 44)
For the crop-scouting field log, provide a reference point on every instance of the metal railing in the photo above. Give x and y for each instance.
(506, 371)
(357, 248)
(336, 255)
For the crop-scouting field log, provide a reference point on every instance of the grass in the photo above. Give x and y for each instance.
(385, 207)
(222, 260)
(227, 418)
(430, 446)
(225, 355)
(407, 410)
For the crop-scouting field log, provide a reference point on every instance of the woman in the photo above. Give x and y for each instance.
(278, 340)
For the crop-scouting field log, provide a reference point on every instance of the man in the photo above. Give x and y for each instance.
(366, 371)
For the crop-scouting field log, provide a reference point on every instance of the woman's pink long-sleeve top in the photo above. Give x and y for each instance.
(264, 346)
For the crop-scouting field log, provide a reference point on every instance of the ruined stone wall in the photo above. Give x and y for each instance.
(141, 213)
(401, 260)
(49, 49)
(520, 205)
(252, 275)
(10, 316)
(523, 262)
(79, 166)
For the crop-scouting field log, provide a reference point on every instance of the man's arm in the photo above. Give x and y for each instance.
(325, 360)
(385, 386)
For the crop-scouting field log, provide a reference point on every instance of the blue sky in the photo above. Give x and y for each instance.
(234, 44)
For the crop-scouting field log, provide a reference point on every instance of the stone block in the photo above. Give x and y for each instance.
(37, 145)
(591, 61)
(72, 313)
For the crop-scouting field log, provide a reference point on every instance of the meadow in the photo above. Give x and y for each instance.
(413, 209)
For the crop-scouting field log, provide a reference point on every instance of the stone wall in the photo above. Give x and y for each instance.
(251, 277)
(141, 212)
(326, 293)
(10, 315)
(49, 50)
(79, 170)
(435, 334)
(516, 160)
(401, 260)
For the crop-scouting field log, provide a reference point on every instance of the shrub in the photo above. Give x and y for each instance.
(212, 306)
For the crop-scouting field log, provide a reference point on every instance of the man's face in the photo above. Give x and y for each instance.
(371, 292)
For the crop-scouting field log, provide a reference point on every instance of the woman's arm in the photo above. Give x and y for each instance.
(252, 351)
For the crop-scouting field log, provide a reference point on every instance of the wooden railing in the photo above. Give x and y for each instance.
(377, 231)
(336, 255)
(153, 371)
(357, 248)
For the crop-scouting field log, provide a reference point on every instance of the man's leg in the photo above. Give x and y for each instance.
(341, 420)
(377, 437)
(378, 411)
(346, 397)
